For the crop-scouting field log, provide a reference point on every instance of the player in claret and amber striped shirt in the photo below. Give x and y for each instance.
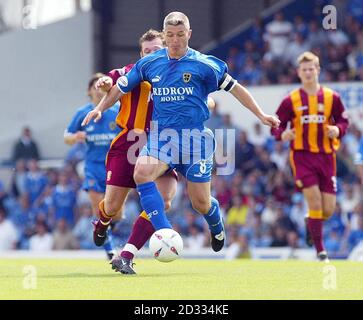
(317, 123)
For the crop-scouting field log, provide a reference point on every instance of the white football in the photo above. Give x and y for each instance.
(166, 245)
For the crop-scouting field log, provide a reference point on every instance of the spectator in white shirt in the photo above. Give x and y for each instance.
(8, 233)
(42, 240)
(278, 33)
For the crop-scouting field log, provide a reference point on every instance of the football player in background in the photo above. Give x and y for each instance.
(317, 123)
(98, 137)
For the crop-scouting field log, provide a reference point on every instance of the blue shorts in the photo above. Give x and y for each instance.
(189, 152)
(95, 177)
(358, 159)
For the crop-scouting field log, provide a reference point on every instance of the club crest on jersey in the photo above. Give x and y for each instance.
(112, 125)
(187, 77)
(320, 107)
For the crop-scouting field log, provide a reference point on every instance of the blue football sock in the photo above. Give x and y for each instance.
(213, 217)
(108, 245)
(153, 204)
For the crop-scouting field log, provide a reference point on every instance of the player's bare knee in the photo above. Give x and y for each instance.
(141, 175)
(167, 205)
(315, 204)
(201, 206)
(328, 211)
(112, 209)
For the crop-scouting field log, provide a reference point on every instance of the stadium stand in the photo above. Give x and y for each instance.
(259, 203)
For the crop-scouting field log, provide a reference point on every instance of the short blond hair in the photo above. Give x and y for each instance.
(176, 18)
(308, 56)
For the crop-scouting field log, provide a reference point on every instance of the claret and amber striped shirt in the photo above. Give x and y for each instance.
(136, 106)
(310, 115)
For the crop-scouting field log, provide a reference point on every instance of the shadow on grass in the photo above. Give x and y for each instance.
(77, 275)
(112, 275)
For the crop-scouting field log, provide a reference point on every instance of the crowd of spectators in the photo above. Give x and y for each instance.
(45, 209)
(269, 55)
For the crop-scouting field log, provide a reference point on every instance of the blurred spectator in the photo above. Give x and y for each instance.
(298, 211)
(300, 27)
(337, 223)
(35, 181)
(83, 228)
(63, 238)
(264, 164)
(42, 240)
(245, 153)
(64, 200)
(317, 36)
(256, 33)
(295, 48)
(23, 218)
(350, 197)
(3, 194)
(279, 156)
(335, 62)
(358, 161)
(337, 37)
(333, 243)
(356, 236)
(279, 236)
(25, 148)
(7, 232)
(250, 73)
(221, 191)
(351, 139)
(216, 119)
(259, 233)
(195, 238)
(354, 217)
(235, 60)
(237, 214)
(238, 248)
(76, 153)
(355, 9)
(18, 179)
(293, 240)
(257, 137)
(278, 33)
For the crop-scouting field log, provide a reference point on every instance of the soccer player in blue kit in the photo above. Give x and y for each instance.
(98, 137)
(181, 79)
(359, 160)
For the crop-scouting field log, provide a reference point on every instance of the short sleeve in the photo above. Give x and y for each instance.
(76, 123)
(215, 72)
(117, 73)
(130, 80)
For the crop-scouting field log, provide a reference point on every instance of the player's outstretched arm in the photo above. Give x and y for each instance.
(104, 83)
(244, 97)
(72, 138)
(107, 102)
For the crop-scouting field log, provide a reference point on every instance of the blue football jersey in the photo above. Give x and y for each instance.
(180, 87)
(99, 135)
(359, 156)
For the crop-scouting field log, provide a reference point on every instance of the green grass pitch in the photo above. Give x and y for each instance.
(182, 279)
